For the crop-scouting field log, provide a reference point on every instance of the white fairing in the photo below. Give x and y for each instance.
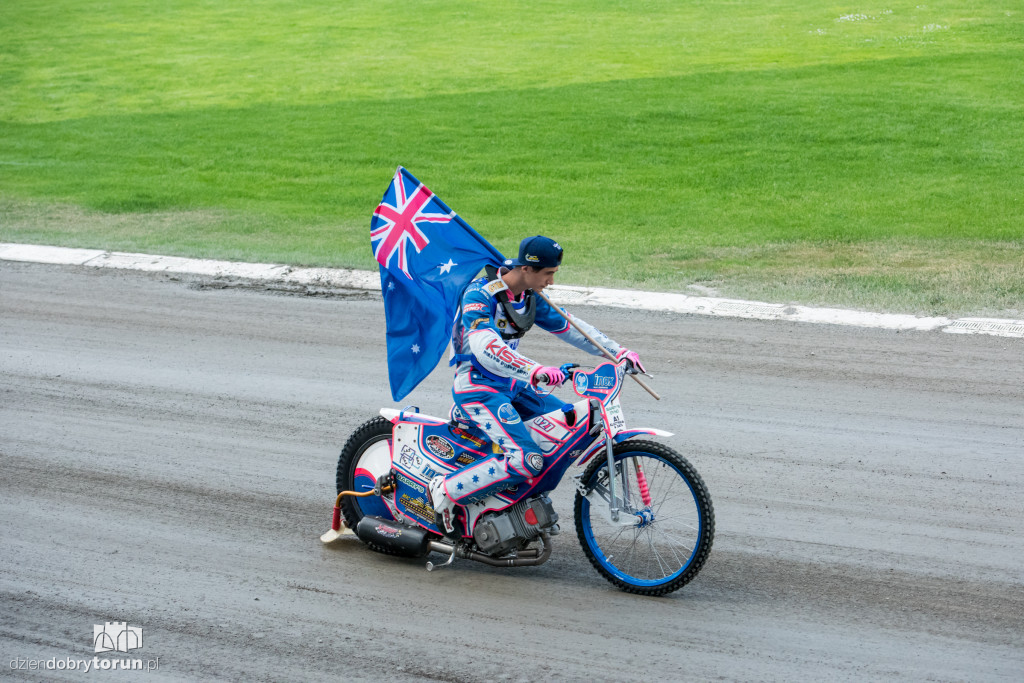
(655, 432)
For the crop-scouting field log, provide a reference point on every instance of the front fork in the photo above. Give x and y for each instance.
(615, 510)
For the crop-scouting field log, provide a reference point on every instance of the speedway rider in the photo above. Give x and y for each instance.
(494, 384)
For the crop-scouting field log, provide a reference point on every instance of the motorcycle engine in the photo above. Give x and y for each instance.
(514, 527)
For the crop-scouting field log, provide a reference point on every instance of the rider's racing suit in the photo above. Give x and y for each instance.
(493, 388)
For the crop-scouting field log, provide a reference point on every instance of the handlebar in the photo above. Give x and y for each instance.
(569, 369)
(566, 369)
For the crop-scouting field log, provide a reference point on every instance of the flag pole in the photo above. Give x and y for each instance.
(590, 339)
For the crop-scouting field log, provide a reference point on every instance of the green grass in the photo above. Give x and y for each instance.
(857, 155)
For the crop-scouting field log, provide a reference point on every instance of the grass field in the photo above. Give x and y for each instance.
(865, 155)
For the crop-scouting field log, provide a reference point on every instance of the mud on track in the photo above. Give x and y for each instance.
(168, 451)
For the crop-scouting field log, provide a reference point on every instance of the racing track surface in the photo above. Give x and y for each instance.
(168, 451)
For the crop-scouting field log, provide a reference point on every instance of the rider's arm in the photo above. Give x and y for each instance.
(495, 355)
(549, 319)
(486, 344)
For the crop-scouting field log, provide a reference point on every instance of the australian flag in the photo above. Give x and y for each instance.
(427, 256)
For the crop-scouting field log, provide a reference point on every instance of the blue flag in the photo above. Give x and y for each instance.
(427, 256)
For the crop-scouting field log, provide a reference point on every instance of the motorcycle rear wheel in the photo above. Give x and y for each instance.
(365, 456)
(670, 538)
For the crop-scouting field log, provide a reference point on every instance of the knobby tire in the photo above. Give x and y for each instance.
(369, 433)
(694, 496)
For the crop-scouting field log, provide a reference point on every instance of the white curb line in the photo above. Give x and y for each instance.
(562, 294)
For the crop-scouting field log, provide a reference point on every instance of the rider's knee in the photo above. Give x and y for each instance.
(535, 462)
(526, 464)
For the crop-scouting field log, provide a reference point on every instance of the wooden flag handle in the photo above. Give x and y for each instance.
(590, 339)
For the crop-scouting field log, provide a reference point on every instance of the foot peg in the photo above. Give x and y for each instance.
(384, 481)
(441, 548)
(431, 566)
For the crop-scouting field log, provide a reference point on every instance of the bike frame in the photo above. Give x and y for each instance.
(420, 450)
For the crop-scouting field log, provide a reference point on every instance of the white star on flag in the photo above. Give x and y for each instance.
(415, 348)
(447, 267)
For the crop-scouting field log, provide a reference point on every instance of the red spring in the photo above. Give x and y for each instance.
(641, 482)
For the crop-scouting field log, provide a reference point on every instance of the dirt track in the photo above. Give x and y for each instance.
(168, 453)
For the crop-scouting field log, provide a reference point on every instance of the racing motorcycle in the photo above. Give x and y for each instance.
(643, 514)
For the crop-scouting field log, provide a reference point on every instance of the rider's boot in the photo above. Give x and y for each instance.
(444, 507)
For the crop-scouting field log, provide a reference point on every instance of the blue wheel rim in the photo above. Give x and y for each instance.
(599, 553)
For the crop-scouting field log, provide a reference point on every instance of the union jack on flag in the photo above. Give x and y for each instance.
(427, 256)
(397, 222)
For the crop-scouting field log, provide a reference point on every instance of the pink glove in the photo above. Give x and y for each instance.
(632, 360)
(554, 375)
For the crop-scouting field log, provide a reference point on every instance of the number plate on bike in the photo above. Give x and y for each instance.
(616, 420)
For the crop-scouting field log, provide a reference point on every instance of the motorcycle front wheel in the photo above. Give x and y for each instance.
(665, 530)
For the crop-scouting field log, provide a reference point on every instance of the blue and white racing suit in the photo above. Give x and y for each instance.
(492, 388)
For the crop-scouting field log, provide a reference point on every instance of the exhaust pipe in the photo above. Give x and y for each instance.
(407, 541)
(395, 538)
(531, 557)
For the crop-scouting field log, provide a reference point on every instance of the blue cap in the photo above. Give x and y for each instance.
(538, 252)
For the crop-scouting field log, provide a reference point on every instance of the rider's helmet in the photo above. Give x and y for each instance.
(539, 252)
